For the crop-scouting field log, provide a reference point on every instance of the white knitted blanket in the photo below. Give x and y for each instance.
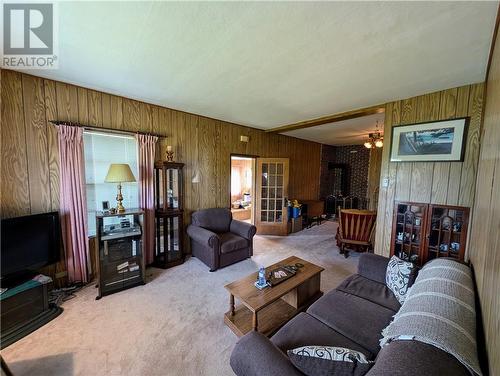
(440, 310)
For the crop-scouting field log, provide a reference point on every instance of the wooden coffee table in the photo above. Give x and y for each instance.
(267, 310)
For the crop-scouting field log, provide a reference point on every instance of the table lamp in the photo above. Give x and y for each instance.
(119, 173)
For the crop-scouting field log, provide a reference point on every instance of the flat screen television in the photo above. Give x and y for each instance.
(29, 243)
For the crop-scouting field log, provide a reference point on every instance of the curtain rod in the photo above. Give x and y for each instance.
(102, 129)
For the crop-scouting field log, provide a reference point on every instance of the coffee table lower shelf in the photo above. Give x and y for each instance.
(270, 318)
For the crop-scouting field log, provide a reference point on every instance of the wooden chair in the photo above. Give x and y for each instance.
(355, 230)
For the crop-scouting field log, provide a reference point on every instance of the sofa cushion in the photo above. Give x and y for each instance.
(370, 290)
(373, 267)
(327, 361)
(398, 276)
(254, 354)
(230, 242)
(356, 318)
(217, 219)
(304, 330)
(413, 358)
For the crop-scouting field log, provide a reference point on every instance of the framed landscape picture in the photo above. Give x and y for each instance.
(429, 142)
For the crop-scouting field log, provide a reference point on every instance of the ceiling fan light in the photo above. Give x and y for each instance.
(368, 144)
(379, 143)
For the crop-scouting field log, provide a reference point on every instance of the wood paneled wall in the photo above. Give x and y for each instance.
(450, 183)
(29, 155)
(484, 249)
(374, 166)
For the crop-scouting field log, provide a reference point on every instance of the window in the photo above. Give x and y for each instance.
(102, 149)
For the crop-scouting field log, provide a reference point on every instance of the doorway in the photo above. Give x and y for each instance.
(243, 188)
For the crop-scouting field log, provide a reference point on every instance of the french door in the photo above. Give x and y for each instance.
(271, 217)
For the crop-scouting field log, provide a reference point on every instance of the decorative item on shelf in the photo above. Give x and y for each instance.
(375, 139)
(455, 247)
(119, 173)
(443, 247)
(413, 258)
(457, 227)
(400, 236)
(170, 154)
(105, 206)
(417, 221)
(403, 256)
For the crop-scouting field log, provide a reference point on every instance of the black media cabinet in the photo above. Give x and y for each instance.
(120, 260)
(24, 312)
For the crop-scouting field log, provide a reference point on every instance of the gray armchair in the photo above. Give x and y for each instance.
(218, 240)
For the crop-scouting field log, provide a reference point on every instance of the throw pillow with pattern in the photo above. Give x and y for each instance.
(325, 360)
(397, 277)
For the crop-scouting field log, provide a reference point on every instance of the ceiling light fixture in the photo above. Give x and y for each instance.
(375, 140)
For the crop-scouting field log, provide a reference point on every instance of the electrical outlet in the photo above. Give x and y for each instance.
(385, 182)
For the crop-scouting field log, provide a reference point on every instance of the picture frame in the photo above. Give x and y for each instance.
(436, 141)
(105, 205)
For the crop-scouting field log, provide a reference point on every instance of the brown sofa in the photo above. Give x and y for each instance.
(218, 240)
(352, 316)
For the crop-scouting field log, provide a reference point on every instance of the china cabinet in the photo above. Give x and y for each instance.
(421, 232)
(169, 214)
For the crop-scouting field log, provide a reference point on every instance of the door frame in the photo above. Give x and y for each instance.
(254, 182)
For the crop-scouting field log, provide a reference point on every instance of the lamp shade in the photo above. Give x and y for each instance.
(119, 173)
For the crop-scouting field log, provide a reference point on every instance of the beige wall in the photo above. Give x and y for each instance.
(451, 183)
(484, 246)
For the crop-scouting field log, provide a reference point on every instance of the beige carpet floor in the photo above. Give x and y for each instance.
(171, 326)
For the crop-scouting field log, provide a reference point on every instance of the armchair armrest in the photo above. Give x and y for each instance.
(255, 355)
(373, 267)
(243, 229)
(203, 236)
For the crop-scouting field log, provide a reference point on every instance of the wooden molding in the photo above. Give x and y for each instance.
(329, 119)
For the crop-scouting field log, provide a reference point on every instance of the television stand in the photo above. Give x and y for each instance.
(24, 309)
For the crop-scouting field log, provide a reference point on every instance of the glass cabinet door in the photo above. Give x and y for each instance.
(447, 233)
(409, 231)
(172, 188)
(422, 232)
(168, 186)
(168, 239)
